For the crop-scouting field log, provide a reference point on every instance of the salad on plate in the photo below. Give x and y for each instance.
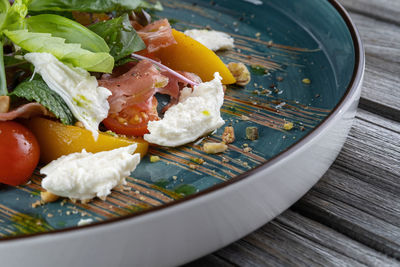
(80, 83)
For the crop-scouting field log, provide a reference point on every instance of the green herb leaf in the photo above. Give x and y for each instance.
(37, 90)
(185, 189)
(15, 17)
(4, 7)
(68, 53)
(97, 6)
(71, 31)
(124, 61)
(120, 36)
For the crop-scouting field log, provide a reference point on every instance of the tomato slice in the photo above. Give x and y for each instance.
(132, 120)
(19, 153)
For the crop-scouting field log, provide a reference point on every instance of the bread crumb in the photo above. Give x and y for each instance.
(197, 160)
(247, 149)
(240, 72)
(154, 159)
(48, 197)
(36, 204)
(288, 126)
(193, 166)
(228, 137)
(214, 148)
(252, 133)
(244, 117)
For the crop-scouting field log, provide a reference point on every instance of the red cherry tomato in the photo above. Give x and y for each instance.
(19, 153)
(132, 120)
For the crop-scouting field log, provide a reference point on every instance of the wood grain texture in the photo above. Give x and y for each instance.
(386, 10)
(381, 40)
(293, 240)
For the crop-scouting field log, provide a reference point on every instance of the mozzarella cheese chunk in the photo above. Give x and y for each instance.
(80, 91)
(213, 40)
(84, 175)
(196, 114)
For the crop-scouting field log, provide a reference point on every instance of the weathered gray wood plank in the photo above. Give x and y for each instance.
(358, 196)
(351, 221)
(293, 240)
(381, 9)
(381, 92)
(372, 152)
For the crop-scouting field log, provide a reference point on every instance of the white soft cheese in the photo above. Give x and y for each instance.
(84, 175)
(80, 91)
(196, 114)
(213, 40)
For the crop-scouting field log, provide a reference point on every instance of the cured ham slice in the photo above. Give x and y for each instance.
(175, 85)
(157, 35)
(25, 112)
(134, 87)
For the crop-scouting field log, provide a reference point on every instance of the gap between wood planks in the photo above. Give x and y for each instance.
(358, 196)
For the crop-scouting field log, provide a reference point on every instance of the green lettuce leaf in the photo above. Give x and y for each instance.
(15, 17)
(4, 7)
(37, 90)
(120, 36)
(97, 6)
(68, 53)
(67, 29)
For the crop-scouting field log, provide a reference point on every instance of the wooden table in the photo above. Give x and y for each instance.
(352, 216)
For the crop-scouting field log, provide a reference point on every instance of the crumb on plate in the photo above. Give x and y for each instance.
(214, 148)
(228, 137)
(240, 72)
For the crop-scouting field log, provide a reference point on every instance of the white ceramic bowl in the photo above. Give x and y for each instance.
(188, 229)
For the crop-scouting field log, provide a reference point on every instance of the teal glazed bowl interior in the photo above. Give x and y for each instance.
(302, 59)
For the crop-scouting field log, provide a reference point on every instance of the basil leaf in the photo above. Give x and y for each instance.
(68, 53)
(120, 36)
(37, 90)
(97, 6)
(71, 31)
(65, 14)
(124, 61)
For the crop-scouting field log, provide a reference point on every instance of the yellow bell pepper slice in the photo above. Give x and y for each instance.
(56, 139)
(190, 55)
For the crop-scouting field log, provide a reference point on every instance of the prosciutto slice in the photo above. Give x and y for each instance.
(157, 35)
(175, 85)
(25, 112)
(134, 87)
